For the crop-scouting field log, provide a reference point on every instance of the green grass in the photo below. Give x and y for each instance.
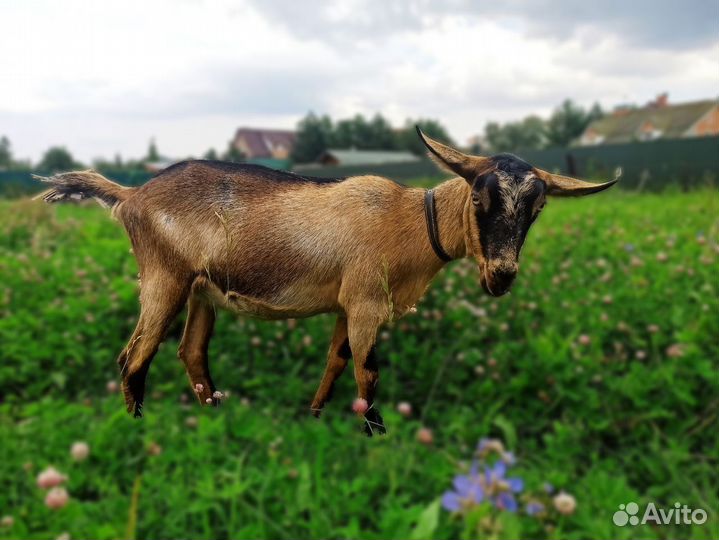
(626, 413)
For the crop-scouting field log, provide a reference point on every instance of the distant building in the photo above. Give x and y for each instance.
(657, 120)
(333, 156)
(159, 165)
(264, 143)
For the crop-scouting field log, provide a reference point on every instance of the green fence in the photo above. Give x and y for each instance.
(649, 165)
(395, 171)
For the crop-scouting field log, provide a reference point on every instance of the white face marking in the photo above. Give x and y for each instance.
(511, 193)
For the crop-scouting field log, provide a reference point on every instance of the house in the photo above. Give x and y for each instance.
(351, 156)
(658, 119)
(264, 143)
(155, 167)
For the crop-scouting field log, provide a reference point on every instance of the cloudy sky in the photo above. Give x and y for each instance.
(104, 77)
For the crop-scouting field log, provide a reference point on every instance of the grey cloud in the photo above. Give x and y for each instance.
(659, 24)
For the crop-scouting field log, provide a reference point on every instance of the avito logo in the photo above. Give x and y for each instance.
(628, 514)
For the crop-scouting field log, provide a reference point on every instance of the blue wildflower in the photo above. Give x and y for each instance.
(490, 484)
(533, 508)
(548, 488)
(467, 491)
(628, 248)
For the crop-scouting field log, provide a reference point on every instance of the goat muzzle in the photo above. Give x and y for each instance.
(497, 278)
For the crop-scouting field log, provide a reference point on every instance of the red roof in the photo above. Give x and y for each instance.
(260, 142)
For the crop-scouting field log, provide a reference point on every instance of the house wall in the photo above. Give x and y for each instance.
(278, 151)
(242, 146)
(707, 124)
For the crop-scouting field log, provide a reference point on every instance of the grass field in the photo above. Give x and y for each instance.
(599, 372)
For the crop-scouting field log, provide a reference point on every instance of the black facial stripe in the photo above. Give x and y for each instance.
(532, 196)
(498, 234)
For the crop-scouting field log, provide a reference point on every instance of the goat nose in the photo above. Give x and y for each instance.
(504, 276)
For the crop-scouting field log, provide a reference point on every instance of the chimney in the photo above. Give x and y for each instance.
(661, 101)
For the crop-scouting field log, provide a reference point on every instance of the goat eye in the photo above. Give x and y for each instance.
(475, 200)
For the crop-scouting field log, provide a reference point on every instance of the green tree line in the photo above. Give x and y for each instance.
(315, 134)
(567, 122)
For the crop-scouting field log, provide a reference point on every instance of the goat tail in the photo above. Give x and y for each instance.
(81, 185)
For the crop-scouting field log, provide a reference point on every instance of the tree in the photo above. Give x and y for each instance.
(357, 132)
(568, 121)
(5, 153)
(351, 133)
(408, 139)
(102, 164)
(515, 136)
(211, 154)
(152, 153)
(381, 134)
(57, 159)
(233, 153)
(314, 134)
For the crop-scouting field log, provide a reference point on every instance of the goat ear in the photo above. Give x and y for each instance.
(565, 186)
(449, 159)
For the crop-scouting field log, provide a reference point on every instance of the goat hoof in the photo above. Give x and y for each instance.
(373, 423)
(138, 410)
(133, 402)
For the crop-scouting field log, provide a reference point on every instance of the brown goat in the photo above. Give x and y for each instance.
(276, 245)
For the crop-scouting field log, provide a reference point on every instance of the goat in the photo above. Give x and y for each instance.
(276, 245)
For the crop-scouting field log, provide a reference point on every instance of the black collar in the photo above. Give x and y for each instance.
(430, 214)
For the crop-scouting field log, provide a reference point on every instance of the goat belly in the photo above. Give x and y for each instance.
(293, 302)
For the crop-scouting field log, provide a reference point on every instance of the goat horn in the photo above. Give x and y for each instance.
(566, 186)
(453, 160)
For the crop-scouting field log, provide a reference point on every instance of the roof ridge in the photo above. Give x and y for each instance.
(280, 130)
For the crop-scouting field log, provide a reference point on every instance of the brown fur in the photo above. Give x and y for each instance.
(275, 245)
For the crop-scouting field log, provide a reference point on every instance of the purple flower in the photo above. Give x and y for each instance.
(467, 491)
(628, 248)
(533, 508)
(548, 488)
(489, 484)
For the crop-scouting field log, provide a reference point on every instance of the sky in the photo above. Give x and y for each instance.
(103, 78)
